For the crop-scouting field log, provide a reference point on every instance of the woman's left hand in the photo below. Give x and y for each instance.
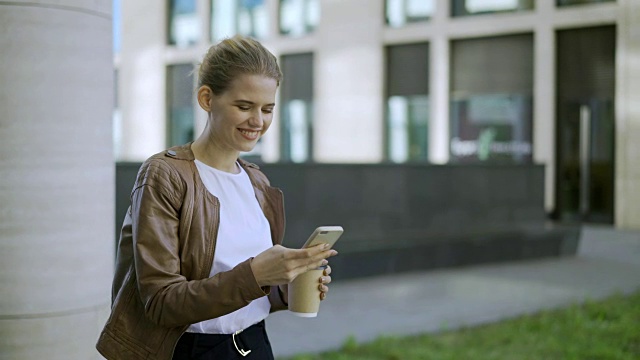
(324, 280)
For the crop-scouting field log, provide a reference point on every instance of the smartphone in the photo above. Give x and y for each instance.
(324, 235)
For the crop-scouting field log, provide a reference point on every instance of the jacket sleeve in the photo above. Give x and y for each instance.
(169, 298)
(276, 300)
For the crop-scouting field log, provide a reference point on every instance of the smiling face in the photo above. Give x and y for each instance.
(242, 114)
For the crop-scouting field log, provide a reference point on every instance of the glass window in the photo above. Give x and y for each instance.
(180, 100)
(491, 99)
(296, 111)
(245, 17)
(400, 12)
(184, 27)
(407, 102)
(473, 7)
(299, 17)
(579, 2)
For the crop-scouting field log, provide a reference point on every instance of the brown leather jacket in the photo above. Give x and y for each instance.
(165, 253)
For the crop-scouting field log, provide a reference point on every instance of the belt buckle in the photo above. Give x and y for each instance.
(240, 351)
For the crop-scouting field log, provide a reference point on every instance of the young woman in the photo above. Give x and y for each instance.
(199, 263)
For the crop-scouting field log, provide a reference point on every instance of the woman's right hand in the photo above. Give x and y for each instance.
(280, 265)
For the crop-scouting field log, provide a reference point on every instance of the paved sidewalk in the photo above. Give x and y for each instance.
(608, 261)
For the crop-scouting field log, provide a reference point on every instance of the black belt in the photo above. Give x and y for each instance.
(211, 340)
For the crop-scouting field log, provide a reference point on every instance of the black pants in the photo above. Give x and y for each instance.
(221, 347)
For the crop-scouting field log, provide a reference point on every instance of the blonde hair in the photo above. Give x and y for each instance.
(232, 57)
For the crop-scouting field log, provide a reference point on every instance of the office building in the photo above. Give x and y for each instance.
(467, 82)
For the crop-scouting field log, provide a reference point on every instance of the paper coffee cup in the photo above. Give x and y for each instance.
(304, 293)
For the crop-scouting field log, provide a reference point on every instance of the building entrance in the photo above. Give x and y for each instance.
(585, 125)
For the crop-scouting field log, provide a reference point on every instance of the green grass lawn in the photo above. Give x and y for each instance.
(608, 329)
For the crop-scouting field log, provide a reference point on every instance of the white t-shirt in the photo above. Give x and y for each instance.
(243, 233)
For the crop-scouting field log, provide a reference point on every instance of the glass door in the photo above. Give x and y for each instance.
(585, 125)
(586, 161)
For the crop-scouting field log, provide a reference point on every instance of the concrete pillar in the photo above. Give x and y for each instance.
(440, 67)
(142, 74)
(348, 75)
(627, 212)
(56, 177)
(544, 98)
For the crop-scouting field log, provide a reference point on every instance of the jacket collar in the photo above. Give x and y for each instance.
(184, 152)
(180, 152)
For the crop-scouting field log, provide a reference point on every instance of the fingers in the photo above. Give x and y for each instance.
(327, 271)
(298, 261)
(321, 251)
(324, 280)
(312, 257)
(310, 252)
(324, 289)
(323, 256)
